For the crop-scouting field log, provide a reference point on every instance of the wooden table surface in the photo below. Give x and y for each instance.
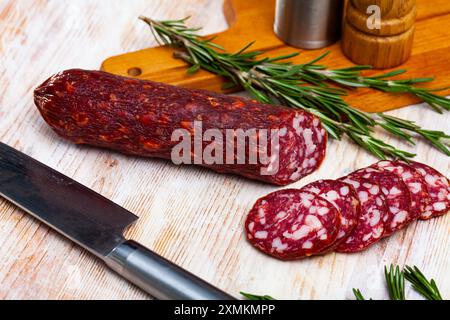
(191, 216)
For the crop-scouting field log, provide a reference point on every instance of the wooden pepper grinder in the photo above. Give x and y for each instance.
(379, 32)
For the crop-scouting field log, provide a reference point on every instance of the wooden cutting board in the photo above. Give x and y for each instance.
(253, 20)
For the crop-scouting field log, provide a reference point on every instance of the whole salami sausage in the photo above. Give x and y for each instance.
(150, 119)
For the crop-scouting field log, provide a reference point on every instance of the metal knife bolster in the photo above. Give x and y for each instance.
(158, 276)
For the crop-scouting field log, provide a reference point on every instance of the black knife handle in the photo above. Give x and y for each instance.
(159, 277)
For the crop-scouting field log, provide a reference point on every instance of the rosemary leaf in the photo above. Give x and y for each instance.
(255, 297)
(358, 294)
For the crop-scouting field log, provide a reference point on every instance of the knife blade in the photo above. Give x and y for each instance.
(97, 224)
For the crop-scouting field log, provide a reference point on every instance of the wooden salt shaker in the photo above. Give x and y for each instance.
(379, 32)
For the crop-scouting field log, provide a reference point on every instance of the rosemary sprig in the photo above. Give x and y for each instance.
(395, 281)
(358, 294)
(352, 77)
(306, 86)
(255, 297)
(399, 127)
(427, 288)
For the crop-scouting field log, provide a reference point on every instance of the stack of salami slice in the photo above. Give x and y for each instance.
(349, 214)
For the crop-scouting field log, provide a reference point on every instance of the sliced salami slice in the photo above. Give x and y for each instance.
(397, 196)
(438, 189)
(413, 180)
(370, 227)
(344, 198)
(291, 224)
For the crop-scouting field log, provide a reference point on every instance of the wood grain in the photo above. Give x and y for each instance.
(191, 216)
(158, 63)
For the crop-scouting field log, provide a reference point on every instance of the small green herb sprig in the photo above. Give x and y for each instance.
(395, 281)
(255, 297)
(427, 288)
(307, 86)
(358, 294)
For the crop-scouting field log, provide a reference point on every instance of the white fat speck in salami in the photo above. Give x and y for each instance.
(370, 226)
(439, 206)
(405, 176)
(438, 189)
(261, 235)
(278, 245)
(298, 233)
(363, 196)
(344, 190)
(374, 190)
(331, 195)
(283, 132)
(394, 191)
(344, 199)
(322, 211)
(307, 245)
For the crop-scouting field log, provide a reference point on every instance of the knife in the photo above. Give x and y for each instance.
(97, 224)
